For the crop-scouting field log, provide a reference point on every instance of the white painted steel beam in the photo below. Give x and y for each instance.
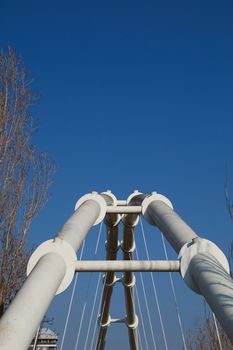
(216, 285)
(124, 209)
(19, 323)
(111, 221)
(203, 266)
(121, 202)
(127, 265)
(159, 212)
(130, 220)
(51, 268)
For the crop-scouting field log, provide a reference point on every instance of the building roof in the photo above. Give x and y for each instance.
(47, 333)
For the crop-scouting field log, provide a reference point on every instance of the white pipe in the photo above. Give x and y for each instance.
(78, 225)
(50, 268)
(19, 323)
(111, 221)
(127, 265)
(216, 285)
(130, 209)
(121, 202)
(176, 231)
(204, 267)
(130, 220)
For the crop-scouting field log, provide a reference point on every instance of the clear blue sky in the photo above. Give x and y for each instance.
(135, 95)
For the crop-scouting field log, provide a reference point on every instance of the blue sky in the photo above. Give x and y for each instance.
(135, 95)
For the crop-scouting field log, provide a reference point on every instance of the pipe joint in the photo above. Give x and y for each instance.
(106, 324)
(112, 219)
(117, 320)
(154, 196)
(94, 196)
(133, 222)
(132, 325)
(198, 246)
(112, 249)
(129, 285)
(135, 199)
(61, 248)
(128, 250)
(115, 280)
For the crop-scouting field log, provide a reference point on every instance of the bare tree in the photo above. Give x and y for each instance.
(25, 174)
(206, 336)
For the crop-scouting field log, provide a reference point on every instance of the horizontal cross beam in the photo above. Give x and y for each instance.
(127, 265)
(123, 209)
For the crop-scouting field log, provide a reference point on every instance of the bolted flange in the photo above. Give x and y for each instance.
(64, 250)
(154, 196)
(196, 246)
(99, 199)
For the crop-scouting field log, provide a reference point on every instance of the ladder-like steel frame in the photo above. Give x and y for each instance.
(51, 268)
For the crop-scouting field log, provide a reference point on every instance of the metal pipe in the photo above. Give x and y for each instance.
(127, 265)
(216, 285)
(111, 254)
(22, 318)
(130, 209)
(128, 245)
(176, 231)
(111, 221)
(130, 220)
(121, 202)
(203, 265)
(78, 225)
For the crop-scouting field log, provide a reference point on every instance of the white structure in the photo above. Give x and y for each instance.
(45, 339)
(51, 268)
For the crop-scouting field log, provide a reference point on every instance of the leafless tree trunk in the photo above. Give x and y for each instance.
(25, 174)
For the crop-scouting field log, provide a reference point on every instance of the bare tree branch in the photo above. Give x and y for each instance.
(25, 174)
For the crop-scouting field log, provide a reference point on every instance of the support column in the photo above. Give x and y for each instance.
(51, 269)
(128, 247)
(111, 221)
(204, 267)
(216, 285)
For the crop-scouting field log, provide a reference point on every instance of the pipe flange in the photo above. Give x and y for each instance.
(115, 280)
(196, 246)
(94, 196)
(130, 225)
(129, 201)
(154, 196)
(112, 223)
(130, 250)
(129, 285)
(138, 194)
(111, 200)
(63, 249)
(132, 325)
(106, 324)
